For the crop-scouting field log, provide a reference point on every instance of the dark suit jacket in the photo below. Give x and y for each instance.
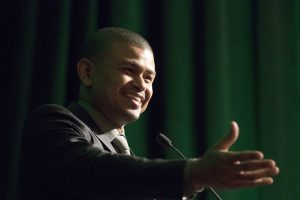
(63, 159)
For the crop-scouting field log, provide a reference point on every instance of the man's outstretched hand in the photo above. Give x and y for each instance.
(221, 169)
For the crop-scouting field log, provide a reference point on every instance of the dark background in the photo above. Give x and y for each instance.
(216, 61)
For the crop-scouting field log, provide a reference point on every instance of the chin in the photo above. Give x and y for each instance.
(132, 115)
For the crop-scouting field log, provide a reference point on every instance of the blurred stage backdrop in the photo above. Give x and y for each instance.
(217, 61)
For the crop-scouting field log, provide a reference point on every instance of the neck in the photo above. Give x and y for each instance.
(120, 128)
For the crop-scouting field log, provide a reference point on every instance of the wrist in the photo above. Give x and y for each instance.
(197, 180)
(192, 184)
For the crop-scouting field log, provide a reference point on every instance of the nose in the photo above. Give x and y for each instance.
(139, 83)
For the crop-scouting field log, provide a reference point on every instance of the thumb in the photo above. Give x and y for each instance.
(228, 140)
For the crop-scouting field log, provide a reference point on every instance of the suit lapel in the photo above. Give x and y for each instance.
(79, 112)
(106, 141)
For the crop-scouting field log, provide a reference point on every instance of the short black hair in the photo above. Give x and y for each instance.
(101, 40)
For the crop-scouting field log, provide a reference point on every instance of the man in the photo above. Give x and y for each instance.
(81, 152)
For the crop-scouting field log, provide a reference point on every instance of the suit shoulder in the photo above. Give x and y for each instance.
(51, 111)
(52, 118)
(50, 108)
(52, 115)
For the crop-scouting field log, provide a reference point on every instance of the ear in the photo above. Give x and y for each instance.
(84, 70)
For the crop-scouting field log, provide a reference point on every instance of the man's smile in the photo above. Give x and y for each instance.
(135, 97)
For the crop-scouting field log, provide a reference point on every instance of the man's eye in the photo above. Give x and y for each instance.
(148, 79)
(128, 70)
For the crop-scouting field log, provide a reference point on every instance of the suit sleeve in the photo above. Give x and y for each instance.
(59, 157)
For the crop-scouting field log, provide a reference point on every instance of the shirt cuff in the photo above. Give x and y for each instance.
(189, 190)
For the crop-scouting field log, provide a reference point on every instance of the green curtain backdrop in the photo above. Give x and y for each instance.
(216, 61)
(231, 76)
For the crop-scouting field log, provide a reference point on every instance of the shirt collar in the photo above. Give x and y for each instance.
(102, 122)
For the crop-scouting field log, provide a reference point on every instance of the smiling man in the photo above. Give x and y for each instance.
(80, 152)
(117, 81)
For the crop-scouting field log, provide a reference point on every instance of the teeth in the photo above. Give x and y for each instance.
(135, 97)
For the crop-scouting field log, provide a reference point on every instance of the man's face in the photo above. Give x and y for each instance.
(122, 82)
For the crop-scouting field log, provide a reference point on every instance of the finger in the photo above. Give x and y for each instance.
(228, 140)
(258, 174)
(257, 178)
(255, 165)
(244, 156)
(253, 183)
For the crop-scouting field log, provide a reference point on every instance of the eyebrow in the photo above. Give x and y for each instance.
(134, 64)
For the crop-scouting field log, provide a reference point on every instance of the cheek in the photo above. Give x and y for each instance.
(148, 94)
(105, 90)
(113, 84)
